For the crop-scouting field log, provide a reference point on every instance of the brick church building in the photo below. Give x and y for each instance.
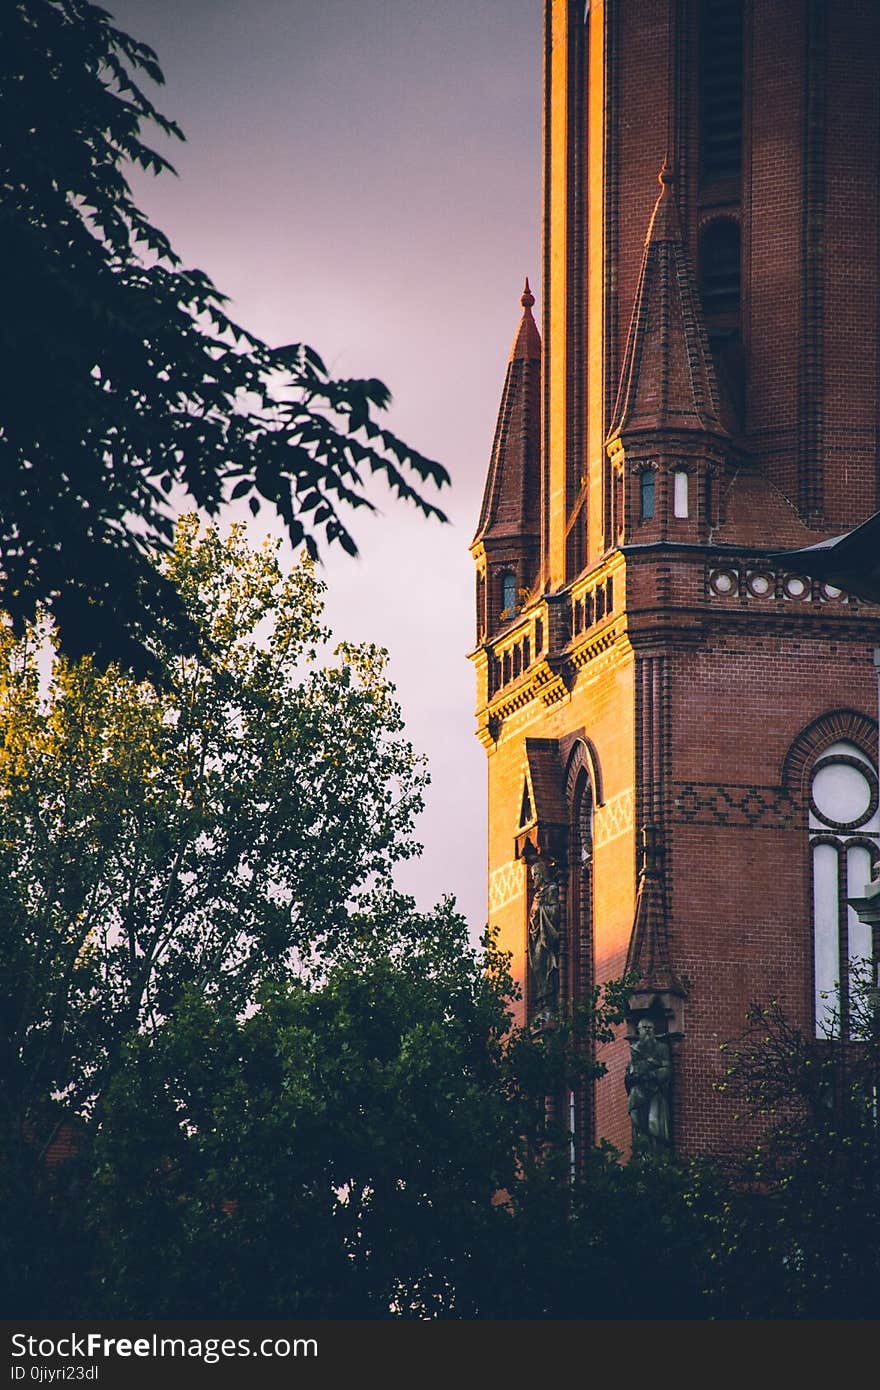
(680, 727)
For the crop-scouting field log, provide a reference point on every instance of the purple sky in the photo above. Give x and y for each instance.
(364, 176)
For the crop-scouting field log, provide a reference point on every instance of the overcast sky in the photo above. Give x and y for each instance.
(364, 176)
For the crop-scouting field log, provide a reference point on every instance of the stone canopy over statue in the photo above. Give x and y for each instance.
(647, 1079)
(544, 941)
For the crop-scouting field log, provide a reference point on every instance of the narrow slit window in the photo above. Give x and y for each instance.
(680, 493)
(508, 594)
(647, 495)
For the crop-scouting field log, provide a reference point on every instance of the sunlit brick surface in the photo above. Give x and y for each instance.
(694, 676)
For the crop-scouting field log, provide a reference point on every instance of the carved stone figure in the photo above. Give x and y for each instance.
(544, 940)
(647, 1083)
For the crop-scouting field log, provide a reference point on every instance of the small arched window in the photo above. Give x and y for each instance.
(508, 594)
(647, 494)
(844, 846)
(680, 493)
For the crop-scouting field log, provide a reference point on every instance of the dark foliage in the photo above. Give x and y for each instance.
(123, 382)
(800, 1234)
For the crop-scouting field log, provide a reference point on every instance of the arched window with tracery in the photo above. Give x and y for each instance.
(844, 826)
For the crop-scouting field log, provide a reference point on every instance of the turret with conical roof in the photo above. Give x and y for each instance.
(667, 441)
(506, 546)
(668, 378)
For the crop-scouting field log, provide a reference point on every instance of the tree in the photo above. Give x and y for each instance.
(799, 1235)
(200, 835)
(240, 1071)
(367, 1146)
(123, 382)
(593, 1236)
(333, 1154)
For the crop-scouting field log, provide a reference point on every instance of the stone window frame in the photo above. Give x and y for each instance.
(832, 1016)
(805, 755)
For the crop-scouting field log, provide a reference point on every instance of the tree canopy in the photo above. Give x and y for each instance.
(241, 1075)
(333, 1154)
(802, 1238)
(200, 943)
(206, 834)
(124, 384)
(240, 1070)
(228, 1044)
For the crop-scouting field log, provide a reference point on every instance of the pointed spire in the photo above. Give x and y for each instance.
(510, 507)
(668, 379)
(649, 946)
(527, 343)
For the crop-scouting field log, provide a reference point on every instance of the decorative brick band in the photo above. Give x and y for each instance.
(712, 803)
(506, 884)
(756, 579)
(614, 817)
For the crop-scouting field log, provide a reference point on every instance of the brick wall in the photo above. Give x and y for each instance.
(693, 690)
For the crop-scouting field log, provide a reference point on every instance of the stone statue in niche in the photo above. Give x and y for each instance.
(647, 1083)
(544, 940)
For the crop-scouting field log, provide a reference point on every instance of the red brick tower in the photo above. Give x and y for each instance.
(681, 733)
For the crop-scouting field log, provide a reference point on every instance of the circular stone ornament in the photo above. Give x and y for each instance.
(723, 582)
(760, 583)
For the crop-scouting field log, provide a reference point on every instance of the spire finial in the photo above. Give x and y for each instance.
(664, 225)
(527, 299)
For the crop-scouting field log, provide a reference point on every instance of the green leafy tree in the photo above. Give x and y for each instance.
(365, 1143)
(240, 1073)
(799, 1233)
(592, 1236)
(207, 834)
(123, 382)
(333, 1154)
